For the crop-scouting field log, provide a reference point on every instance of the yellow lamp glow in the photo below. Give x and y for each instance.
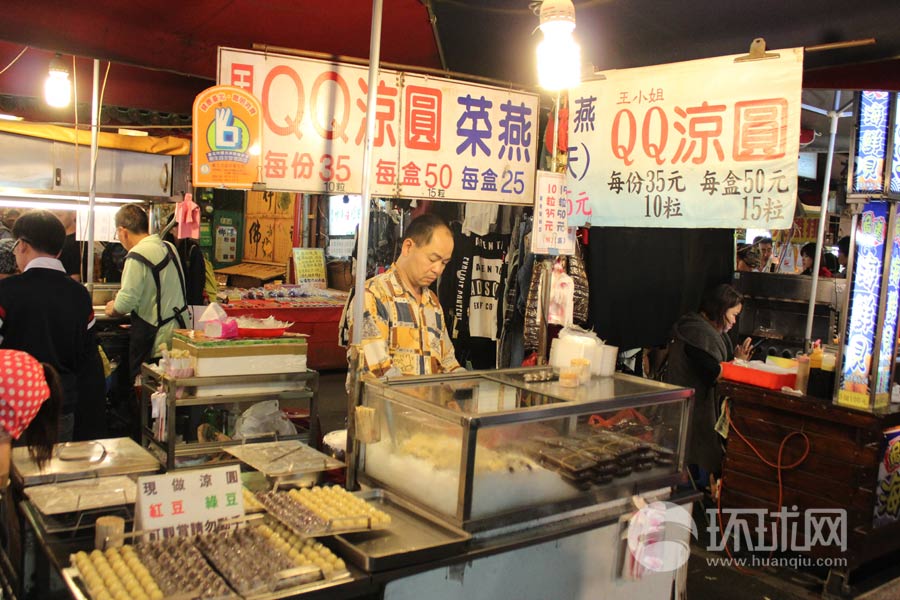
(57, 88)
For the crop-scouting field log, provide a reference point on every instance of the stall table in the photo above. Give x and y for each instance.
(841, 470)
(58, 549)
(552, 540)
(318, 318)
(542, 561)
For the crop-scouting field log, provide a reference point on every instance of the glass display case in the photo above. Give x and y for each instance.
(484, 449)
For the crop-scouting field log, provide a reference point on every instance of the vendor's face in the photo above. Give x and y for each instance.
(807, 262)
(730, 317)
(422, 265)
(124, 238)
(765, 253)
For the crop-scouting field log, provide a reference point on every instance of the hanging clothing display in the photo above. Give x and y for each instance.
(572, 266)
(479, 218)
(187, 215)
(578, 271)
(510, 350)
(533, 307)
(383, 242)
(562, 297)
(471, 291)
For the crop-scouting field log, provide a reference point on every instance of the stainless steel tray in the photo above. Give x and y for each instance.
(80, 460)
(73, 582)
(412, 537)
(283, 459)
(82, 494)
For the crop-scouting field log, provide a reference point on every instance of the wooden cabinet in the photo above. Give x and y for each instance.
(837, 471)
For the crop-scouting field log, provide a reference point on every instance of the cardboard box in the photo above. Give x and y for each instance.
(242, 356)
(250, 274)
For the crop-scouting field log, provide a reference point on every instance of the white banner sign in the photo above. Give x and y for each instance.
(550, 234)
(434, 138)
(705, 143)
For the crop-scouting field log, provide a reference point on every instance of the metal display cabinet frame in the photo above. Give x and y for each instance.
(653, 393)
(151, 380)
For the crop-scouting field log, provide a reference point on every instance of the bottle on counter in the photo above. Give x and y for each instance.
(815, 357)
(802, 373)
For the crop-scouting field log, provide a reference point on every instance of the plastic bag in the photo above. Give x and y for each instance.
(263, 418)
(562, 298)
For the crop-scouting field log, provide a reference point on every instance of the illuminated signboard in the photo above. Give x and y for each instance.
(888, 335)
(894, 164)
(859, 339)
(867, 177)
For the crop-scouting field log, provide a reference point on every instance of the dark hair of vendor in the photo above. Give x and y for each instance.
(808, 250)
(42, 230)
(422, 228)
(133, 218)
(717, 301)
(42, 434)
(844, 245)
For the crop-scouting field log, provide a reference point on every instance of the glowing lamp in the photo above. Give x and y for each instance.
(57, 88)
(558, 55)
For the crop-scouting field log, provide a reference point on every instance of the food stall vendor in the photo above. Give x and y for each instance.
(153, 289)
(404, 332)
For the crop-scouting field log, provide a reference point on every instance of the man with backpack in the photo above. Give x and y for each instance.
(153, 288)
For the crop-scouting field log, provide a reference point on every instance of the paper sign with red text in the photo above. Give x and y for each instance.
(188, 502)
(704, 143)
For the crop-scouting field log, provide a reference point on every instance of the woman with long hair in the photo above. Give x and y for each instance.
(30, 403)
(700, 343)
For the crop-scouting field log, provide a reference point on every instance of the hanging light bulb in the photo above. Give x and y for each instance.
(558, 55)
(57, 88)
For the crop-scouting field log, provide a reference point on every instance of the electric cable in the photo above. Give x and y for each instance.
(13, 61)
(778, 466)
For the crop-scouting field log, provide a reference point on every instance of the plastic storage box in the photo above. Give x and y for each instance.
(759, 374)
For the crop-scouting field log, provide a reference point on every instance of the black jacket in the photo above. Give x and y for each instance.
(695, 342)
(49, 315)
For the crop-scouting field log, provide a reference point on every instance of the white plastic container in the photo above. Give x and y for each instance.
(607, 361)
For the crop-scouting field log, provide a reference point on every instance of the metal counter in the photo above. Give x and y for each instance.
(372, 585)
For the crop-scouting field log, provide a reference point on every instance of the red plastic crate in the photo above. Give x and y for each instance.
(757, 377)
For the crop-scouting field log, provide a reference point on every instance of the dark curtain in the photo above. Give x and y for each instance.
(642, 280)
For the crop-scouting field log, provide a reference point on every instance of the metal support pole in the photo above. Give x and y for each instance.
(362, 238)
(555, 136)
(834, 115)
(845, 301)
(95, 114)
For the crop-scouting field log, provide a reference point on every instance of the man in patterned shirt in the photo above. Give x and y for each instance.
(403, 329)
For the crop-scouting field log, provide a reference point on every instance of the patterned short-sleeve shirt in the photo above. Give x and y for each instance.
(401, 334)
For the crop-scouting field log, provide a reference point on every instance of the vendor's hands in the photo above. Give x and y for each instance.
(744, 350)
(110, 309)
